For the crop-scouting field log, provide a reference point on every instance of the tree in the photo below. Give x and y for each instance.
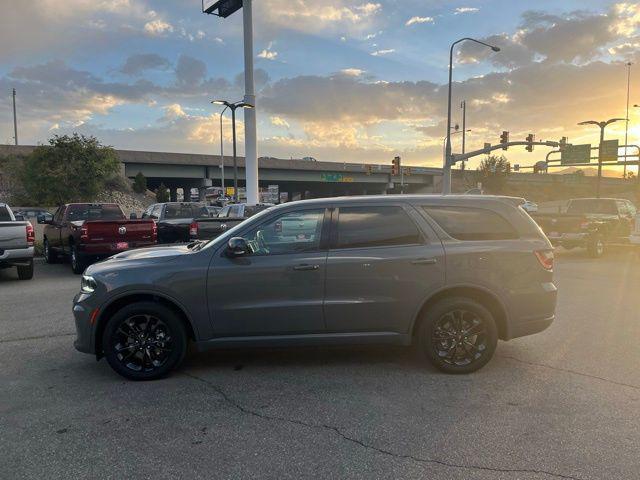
(140, 183)
(70, 168)
(162, 194)
(493, 172)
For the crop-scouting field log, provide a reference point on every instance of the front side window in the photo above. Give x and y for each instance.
(294, 232)
(464, 223)
(363, 227)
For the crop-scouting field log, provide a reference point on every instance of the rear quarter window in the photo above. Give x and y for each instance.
(468, 224)
(4, 214)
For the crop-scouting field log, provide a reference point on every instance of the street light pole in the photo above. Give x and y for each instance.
(222, 153)
(233, 107)
(602, 126)
(250, 134)
(448, 163)
(626, 127)
(15, 119)
(463, 105)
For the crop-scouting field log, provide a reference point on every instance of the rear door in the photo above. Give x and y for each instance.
(384, 261)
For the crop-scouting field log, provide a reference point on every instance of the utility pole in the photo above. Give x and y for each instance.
(626, 125)
(15, 119)
(224, 194)
(250, 133)
(463, 105)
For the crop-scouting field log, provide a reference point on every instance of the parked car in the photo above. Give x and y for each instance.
(590, 223)
(16, 243)
(31, 212)
(174, 219)
(87, 232)
(451, 273)
(207, 228)
(530, 206)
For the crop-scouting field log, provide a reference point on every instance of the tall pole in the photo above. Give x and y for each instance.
(463, 105)
(15, 119)
(250, 133)
(446, 170)
(626, 125)
(236, 197)
(602, 125)
(222, 154)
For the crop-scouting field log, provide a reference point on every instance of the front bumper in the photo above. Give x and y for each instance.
(83, 312)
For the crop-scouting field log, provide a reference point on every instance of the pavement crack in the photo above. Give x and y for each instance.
(568, 370)
(317, 426)
(35, 337)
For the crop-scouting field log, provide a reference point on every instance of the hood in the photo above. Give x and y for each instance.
(139, 257)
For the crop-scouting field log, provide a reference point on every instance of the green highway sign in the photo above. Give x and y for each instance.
(571, 154)
(608, 151)
(335, 177)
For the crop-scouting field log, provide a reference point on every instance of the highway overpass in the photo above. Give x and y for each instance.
(298, 178)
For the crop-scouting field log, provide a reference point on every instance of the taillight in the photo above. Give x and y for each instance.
(154, 232)
(545, 257)
(193, 229)
(84, 233)
(31, 235)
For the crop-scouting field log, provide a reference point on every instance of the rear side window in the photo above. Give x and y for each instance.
(471, 223)
(361, 227)
(4, 214)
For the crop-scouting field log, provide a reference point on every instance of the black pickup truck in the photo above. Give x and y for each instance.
(208, 228)
(589, 223)
(176, 220)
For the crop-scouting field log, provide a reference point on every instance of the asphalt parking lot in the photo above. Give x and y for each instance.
(560, 404)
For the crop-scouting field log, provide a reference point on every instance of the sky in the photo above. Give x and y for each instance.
(338, 80)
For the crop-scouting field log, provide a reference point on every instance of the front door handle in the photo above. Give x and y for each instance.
(306, 266)
(424, 261)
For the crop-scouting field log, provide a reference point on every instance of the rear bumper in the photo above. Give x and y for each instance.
(529, 327)
(107, 249)
(16, 257)
(532, 311)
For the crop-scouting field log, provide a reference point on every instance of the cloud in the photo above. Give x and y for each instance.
(379, 53)
(278, 121)
(190, 71)
(136, 64)
(460, 10)
(352, 72)
(415, 20)
(158, 28)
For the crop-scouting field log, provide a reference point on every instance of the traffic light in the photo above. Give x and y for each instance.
(395, 166)
(516, 167)
(530, 138)
(504, 139)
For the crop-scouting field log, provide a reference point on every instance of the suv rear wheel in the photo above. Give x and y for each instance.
(144, 341)
(458, 335)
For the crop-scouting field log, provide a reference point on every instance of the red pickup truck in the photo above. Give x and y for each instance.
(87, 232)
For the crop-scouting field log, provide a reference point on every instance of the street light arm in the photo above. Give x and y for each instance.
(615, 120)
(589, 122)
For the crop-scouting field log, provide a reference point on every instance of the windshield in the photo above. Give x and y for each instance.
(586, 206)
(94, 212)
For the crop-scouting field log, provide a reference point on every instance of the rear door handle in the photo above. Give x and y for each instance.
(305, 266)
(424, 261)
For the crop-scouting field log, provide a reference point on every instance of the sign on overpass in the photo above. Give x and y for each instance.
(608, 151)
(571, 154)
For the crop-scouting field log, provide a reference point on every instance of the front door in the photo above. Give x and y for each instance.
(383, 263)
(278, 287)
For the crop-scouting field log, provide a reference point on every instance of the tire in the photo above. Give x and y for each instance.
(451, 354)
(26, 272)
(49, 255)
(154, 357)
(77, 262)
(595, 247)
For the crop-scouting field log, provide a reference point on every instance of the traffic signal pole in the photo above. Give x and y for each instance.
(491, 148)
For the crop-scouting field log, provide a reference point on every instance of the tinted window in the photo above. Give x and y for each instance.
(94, 212)
(360, 227)
(251, 210)
(4, 214)
(588, 205)
(177, 210)
(471, 223)
(293, 232)
(235, 211)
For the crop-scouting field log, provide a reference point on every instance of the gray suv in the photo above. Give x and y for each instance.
(452, 274)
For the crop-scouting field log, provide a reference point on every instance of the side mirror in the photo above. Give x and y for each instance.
(133, 216)
(237, 247)
(44, 219)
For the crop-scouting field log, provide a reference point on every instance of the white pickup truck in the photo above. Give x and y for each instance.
(16, 243)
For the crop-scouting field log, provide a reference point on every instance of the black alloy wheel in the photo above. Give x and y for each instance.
(458, 335)
(144, 341)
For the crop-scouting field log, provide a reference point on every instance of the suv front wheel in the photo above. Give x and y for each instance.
(458, 335)
(144, 341)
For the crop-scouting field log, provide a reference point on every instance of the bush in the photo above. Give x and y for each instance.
(70, 168)
(162, 194)
(139, 183)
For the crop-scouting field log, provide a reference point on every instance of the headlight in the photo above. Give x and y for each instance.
(87, 284)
